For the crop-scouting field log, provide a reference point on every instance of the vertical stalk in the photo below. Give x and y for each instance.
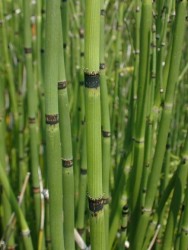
(66, 152)
(8, 64)
(53, 149)
(176, 199)
(12, 199)
(105, 122)
(5, 202)
(93, 123)
(32, 110)
(164, 125)
(145, 37)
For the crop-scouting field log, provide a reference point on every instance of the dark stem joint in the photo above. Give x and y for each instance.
(32, 120)
(36, 190)
(116, 63)
(92, 80)
(153, 75)
(81, 33)
(62, 85)
(42, 51)
(106, 134)
(52, 119)
(28, 50)
(138, 141)
(103, 12)
(48, 241)
(125, 210)
(144, 190)
(123, 228)
(43, 11)
(64, 45)
(82, 54)
(80, 231)
(183, 161)
(67, 163)
(83, 171)
(95, 205)
(153, 45)
(102, 66)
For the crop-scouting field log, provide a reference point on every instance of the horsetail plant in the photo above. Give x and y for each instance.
(93, 102)
(93, 123)
(54, 168)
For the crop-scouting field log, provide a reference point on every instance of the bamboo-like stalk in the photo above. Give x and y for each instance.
(32, 110)
(80, 218)
(54, 168)
(145, 37)
(6, 205)
(8, 64)
(105, 122)
(93, 123)
(183, 241)
(66, 152)
(12, 199)
(164, 124)
(176, 199)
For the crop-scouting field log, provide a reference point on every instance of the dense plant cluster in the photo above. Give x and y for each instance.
(93, 125)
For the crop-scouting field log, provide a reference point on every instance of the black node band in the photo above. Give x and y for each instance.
(36, 190)
(123, 228)
(80, 230)
(102, 66)
(106, 134)
(92, 81)
(103, 12)
(82, 54)
(62, 85)
(32, 120)
(52, 119)
(95, 205)
(48, 241)
(125, 210)
(67, 163)
(28, 50)
(83, 171)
